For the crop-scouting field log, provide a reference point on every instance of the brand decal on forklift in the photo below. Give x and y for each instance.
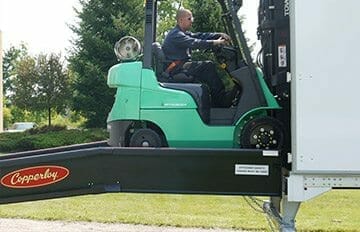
(286, 7)
(34, 176)
(252, 170)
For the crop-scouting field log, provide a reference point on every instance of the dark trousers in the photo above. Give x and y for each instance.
(205, 72)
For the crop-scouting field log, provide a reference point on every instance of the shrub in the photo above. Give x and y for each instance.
(45, 129)
(14, 142)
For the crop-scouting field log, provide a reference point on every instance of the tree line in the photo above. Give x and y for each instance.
(40, 86)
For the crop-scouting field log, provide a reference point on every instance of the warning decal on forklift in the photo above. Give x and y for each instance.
(282, 56)
(252, 170)
(34, 176)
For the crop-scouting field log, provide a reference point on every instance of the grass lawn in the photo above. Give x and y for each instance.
(338, 210)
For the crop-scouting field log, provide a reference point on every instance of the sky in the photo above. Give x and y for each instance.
(43, 24)
(250, 11)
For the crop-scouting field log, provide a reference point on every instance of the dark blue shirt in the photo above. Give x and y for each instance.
(178, 44)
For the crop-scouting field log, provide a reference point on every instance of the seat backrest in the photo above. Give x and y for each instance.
(159, 59)
(158, 52)
(159, 65)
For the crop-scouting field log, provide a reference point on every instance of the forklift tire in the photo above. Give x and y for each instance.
(145, 138)
(265, 133)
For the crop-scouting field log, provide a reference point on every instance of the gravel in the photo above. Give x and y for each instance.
(26, 225)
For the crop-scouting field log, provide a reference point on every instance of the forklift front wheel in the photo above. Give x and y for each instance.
(145, 138)
(263, 133)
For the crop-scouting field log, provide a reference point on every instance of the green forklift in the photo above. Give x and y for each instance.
(151, 112)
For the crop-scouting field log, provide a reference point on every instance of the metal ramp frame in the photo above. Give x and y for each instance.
(92, 169)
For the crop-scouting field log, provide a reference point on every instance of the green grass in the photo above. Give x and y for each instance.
(333, 211)
(338, 210)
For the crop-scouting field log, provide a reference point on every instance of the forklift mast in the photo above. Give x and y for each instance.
(274, 34)
(274, 56)
(150, 31)
(230, 10)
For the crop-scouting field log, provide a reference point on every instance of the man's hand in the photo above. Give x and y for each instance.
(219, 41)
(225, 37)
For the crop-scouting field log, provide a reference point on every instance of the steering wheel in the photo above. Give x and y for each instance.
(224, 53)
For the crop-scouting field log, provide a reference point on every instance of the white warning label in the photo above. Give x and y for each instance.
(253, 170)
(282, 56)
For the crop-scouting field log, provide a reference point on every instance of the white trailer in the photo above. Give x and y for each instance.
(324, 106)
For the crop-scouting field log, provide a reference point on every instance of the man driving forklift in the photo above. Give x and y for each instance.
(177, 48)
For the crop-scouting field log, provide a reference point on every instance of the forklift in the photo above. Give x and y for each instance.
(153, 111)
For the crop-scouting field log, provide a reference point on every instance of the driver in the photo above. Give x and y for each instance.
(177, 48)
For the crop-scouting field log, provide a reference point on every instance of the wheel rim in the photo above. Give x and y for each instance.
(264, 137)
(262, 133)
(145, 138)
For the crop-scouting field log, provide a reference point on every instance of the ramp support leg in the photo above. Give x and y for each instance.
(289, 211)
(285, 220)
(276, 203)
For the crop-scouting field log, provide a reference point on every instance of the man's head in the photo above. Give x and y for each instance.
(184, 19)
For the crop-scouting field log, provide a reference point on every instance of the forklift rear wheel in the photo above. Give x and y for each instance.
(263, 133)
(145, 138)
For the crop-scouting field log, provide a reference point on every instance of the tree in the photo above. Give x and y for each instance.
(11, 57)
(102, 23)
(52, 85)
(166, 18)
(207, 15)
(23, 84)
(17, 59)
(40, 84)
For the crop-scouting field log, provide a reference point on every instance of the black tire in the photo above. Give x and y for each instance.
(145, 138)
(265, 133)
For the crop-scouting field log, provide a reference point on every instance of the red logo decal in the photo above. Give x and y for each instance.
(34, 176)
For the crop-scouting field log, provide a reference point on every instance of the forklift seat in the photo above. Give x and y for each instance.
(160, 64)
(199, 92)
(181, 81)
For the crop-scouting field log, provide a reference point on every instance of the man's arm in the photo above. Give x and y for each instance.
(210, 36)
(185, 40)
(199, 41)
